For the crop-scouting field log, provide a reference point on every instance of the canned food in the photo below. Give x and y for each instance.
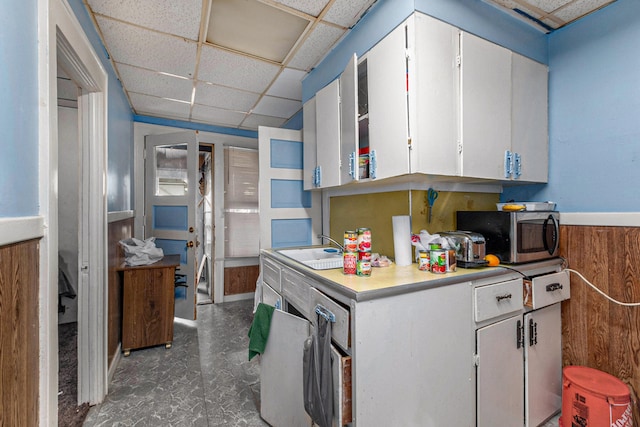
(438, 261)
(364, 240)
(350, 241)
(423, 261)
(364, 256)
(363, 268)
(349, 263)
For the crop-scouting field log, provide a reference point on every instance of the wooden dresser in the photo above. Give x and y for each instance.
(148, 304)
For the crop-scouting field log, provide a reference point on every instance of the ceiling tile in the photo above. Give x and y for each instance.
(278, 107)
(580, 8)
(316, 46)
(151, 105)
(148, 49)
(311, 7)
(347, 12)
(255, 120)
(288, 84)
(549, 5)
(148, 82)
(218, 116)
(233, 70)
(224, 97)
(175, 17)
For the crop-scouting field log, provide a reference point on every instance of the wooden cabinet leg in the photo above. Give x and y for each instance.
(127, 353)
(168, 345)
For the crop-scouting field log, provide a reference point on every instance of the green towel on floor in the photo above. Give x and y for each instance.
(259, 330)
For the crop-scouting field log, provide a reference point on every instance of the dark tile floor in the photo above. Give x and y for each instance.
(205, 379)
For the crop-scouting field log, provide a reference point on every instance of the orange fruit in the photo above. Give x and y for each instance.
(492, 260)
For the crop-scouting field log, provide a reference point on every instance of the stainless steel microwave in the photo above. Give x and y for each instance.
(515, 237)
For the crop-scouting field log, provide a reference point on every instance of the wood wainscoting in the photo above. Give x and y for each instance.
(240, 280)
(595, 332)
(118, 230)
(19, 340)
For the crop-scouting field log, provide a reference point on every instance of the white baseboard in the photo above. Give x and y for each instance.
(238, 297)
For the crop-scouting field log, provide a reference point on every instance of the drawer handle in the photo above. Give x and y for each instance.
(501, 297)
(554, 287)
(324, 312)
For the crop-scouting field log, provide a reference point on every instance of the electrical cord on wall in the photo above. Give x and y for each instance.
(626, 304)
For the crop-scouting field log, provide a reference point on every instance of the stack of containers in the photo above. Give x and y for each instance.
(350, 253)
(363, 267)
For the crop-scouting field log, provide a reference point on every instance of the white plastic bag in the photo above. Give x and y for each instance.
(141, 252)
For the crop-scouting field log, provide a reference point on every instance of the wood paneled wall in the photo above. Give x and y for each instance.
(19, 340)
(240, 280)
(598, 333)
(118, 230)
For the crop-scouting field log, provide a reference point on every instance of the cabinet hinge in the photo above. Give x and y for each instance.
(476, 360)
(458, 60)
(459, 147)
(409, 142)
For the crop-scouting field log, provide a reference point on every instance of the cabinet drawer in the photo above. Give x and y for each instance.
(295, 289)
(495, 300)
(271, 274)
(271, 297)
(341, 370)
(545, 290)
(340, 329)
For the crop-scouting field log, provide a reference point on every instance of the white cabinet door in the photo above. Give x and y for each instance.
(530, 140)
(485, 85)
(388, 111)
(349, 142)
(543, 364)
(500, 388)
(281, 377)
(433, 84)
(309, 143)
(328, 134)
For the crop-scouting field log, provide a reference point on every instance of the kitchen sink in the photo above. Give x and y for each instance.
(318, 258)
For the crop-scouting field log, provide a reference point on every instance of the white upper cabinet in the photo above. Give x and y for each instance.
(485, 108)
(387, 104)
(309, 144)
(529, 119)
(328, 136)
(433, 84)
(349, 145)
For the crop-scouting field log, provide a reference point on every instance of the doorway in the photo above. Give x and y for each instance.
(205, 225)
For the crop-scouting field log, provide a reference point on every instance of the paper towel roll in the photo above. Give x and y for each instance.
(402, 239)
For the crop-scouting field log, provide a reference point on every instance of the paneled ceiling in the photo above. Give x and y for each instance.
(240, 63)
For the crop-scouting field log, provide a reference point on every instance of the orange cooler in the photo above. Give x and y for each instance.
(592, 398)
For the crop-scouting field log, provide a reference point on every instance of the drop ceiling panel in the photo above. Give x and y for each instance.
(550, 5)
(312, 7)
(152, 83)
(278, 107)
(264, 31)
(150, 105)
(219, 116)
(233, 70)
(255, 120)
(288, 84)
(347, 12)
(148, 49)
(224, 97)
(169, 16)
(580, 8)
(318, 43)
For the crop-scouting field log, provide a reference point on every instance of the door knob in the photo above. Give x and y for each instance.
(190, 244)
(191, 229)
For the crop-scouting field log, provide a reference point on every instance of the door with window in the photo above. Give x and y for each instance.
(171, 186)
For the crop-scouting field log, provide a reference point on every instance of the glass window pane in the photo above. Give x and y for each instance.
(171, 170)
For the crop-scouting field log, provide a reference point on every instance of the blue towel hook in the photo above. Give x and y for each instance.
(322, 311)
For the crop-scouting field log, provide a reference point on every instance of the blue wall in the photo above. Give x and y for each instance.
(18, 109)
(594, 114)
(120, 124)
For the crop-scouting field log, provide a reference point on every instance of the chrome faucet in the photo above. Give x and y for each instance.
(322, 236)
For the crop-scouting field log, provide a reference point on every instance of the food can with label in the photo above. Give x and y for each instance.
(350, 241)
(349, 264)
(438, 261)
(363, 268)
(423, 261)
(364, 240)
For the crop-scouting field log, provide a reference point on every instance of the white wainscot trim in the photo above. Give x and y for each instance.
(604, 219)
(13, 230)
(120, 215)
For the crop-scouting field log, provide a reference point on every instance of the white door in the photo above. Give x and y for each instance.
(500, 376)
(485, 85)
(543, 364)
(171, 185)
(289, 215)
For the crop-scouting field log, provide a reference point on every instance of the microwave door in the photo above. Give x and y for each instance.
(550, 234)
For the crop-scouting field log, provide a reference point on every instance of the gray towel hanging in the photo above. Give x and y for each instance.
(318, 378)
